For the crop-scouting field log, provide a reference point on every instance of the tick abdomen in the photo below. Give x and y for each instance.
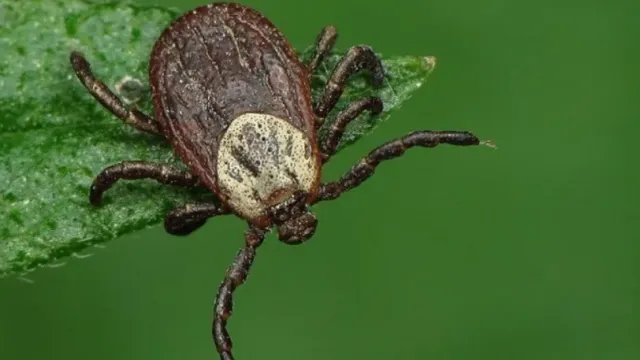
(214, 64)
(262, 160)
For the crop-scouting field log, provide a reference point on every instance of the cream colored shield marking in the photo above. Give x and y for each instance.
(263, 159)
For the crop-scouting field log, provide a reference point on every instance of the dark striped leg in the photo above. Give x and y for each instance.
(236, 275)
(136, 170)
(324, 43)
(108, 99)
(357, 58)
(330, 143)
(365, 168)
(188, 218)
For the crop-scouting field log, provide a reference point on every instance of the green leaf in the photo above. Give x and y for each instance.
(54, 137)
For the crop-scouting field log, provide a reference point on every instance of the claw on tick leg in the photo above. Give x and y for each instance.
(489, 143)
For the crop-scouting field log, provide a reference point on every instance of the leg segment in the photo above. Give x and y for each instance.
(328, 146)
(135, 170)
(357, 58)
(324, 43)
(365, 168)
(108, 99)
(236, 275)
(188, 218)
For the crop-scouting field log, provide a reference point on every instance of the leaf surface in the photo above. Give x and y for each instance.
(55, 138)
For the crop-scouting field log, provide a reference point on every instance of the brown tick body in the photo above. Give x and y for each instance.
(234, 101)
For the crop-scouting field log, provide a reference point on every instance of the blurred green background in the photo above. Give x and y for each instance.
(527, 252)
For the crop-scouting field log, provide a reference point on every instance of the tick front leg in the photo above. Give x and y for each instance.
(324, 43)
(357, 58)
(236, 275)
(365, 167)
(330, 143)
(136, 170)
(108, 99)
(188, 218)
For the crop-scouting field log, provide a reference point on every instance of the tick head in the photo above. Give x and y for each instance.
(294, 220)
(298, 229)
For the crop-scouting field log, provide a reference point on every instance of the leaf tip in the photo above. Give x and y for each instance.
(429, 62)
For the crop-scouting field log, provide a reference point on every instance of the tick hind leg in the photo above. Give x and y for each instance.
(188, 218)
(357, 58)
(136, 170)
(324, 43)
(236, 275)
(393, 149)
(108, 99)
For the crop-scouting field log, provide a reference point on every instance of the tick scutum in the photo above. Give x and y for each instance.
(262, 160)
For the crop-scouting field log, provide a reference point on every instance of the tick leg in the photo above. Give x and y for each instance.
(393, 149)
(324, 43)
(188, 218)
(236, 275)
(357, 58)
(108, 99)
(330, 143)
(135, 170)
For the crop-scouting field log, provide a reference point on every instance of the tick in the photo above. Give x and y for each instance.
(234, 101)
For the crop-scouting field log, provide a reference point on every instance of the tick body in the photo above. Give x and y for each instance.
(234, 101)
